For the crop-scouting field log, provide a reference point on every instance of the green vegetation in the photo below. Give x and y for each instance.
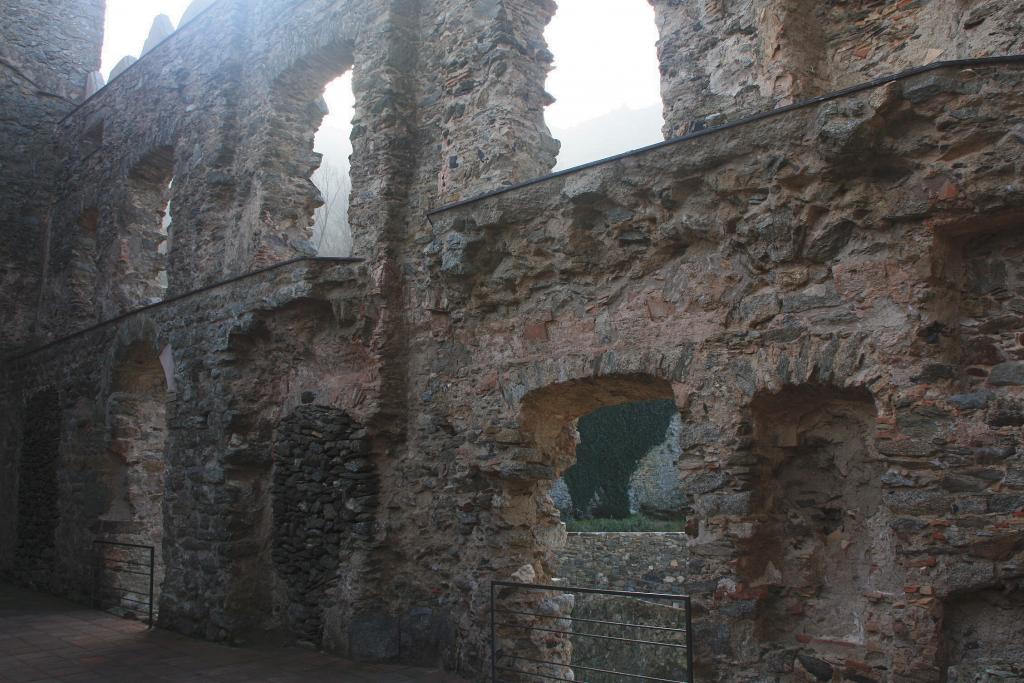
(612, 442)
(634, 523)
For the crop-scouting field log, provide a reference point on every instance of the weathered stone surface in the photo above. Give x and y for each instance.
(121, 66)
(1007, 374)
(824, 294)
(324, 494)
(48, 50)
(93, 82)
(195, 8)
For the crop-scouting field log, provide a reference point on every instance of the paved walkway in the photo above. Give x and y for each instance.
(45, 639)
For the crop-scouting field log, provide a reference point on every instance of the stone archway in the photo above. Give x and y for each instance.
(548, 432)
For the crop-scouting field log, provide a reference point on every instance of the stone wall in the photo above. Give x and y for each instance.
(211, 513)
(648, 562)
(325, 495)
(863, 246)
(733, 266)
(723, 60)
(38, 495)
(47, 49)
(984, 635)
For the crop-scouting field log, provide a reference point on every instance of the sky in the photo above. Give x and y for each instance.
(605, 59)
(605, 79)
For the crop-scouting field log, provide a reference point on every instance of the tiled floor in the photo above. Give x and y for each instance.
(45, 639)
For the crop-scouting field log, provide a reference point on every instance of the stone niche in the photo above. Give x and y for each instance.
(821, 531)
(984, 635)
(38, 511)
(324, 497)
(133, 464)
(992, 313)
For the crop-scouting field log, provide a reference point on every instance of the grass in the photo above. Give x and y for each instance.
(634, 523)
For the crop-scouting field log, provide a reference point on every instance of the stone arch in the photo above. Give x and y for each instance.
(264, 401)
(549, 414)
(281, 211)
(821, 543)
(547, 442)
(547, 420)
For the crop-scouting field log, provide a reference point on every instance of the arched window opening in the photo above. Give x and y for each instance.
(614, 445)
(164, 247)
(606, 80)
(332, 234)
(141, 255)
(626, 473)
(615, 442)
(133, 468)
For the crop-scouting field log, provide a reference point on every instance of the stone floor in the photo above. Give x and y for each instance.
(45, 639)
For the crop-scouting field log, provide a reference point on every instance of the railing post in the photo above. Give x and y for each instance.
(152, 570)
(130, 562)
(494, 642)
(95, 574)
(689, 640)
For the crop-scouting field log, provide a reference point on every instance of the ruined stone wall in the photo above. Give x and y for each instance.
(215, 467)
(721, 61)
(813, 249)
(325, 498)
(159, 120)
(47, 49)
(37, 512)
(865, 244)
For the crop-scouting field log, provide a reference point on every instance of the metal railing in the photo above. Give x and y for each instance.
(123, 579)
(598, 636)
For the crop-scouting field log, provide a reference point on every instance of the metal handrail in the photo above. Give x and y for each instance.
(743, 121)
(592, 621)
(178, 297)
(507, 666)
(144, 607)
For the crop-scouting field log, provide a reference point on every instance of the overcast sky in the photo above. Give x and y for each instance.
(605, 60)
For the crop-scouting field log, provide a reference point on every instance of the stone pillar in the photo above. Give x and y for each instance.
(491, 62)
(721, 61)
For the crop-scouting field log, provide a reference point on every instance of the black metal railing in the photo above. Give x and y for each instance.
(123, 579)
(589, 635)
